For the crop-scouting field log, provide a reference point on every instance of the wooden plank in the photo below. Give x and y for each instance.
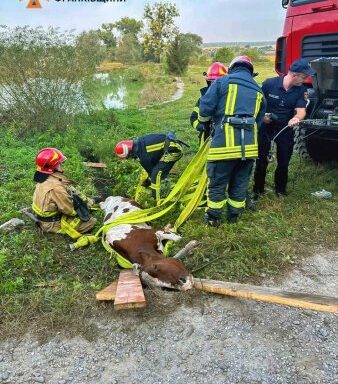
(95, 165)
(270, 295)
(129, 292)
(107, 293)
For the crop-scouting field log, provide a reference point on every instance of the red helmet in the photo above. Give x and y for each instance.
(47, 159)
(242, 60)
(216, 71)
(123, 148)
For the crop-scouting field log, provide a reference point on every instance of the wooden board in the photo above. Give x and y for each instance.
(129, 292)
(95, 165)
(270, 295)
(107, 293)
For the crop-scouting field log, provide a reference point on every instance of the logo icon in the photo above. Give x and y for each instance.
(34, 4)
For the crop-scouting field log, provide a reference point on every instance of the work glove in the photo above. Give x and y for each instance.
(200, 127)
(146, 183)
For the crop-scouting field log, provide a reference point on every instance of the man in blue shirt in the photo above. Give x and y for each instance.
(286, 98)
(236, 105)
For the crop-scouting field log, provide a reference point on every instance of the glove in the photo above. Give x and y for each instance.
(200, 127)
(146, 183)
(81, 208)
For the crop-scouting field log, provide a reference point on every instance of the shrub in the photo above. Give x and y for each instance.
(40, 76)
(224, 55)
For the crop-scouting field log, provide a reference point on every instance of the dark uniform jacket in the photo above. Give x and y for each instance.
(157, 155)
(202, 128)
(236, 95)
(281, 102)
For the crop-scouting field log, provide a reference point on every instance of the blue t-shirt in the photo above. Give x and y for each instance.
(282, 102)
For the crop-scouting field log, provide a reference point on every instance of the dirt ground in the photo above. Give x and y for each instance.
(194, 338)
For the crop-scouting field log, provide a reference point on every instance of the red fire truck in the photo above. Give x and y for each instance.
(311, 32)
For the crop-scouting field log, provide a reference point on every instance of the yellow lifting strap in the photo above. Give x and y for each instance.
(68, 228)
(194, 171)
(143, 177)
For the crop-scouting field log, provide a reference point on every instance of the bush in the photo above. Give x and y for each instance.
(224, 55)
(40, 76)
(134, 73)
(151, 94)
(254, 55)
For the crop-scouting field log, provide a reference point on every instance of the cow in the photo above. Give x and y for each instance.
(142, 245)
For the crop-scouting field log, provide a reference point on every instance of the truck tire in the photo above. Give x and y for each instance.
(300, 144)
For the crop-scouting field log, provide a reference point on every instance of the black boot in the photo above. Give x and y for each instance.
(232, 219)
(212, 221)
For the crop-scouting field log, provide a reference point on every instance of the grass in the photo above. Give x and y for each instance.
(43, 283)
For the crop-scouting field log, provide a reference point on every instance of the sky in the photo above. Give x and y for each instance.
(213, 20)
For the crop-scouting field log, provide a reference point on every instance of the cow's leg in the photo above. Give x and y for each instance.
(165, 236)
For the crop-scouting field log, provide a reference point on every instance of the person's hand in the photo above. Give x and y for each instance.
(293, 122)
(267, 119)
(146, 183)
(200, 127)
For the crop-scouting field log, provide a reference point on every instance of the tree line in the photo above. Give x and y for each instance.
(155, 38)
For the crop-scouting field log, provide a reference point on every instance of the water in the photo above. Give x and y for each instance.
(108, 90)
(114, 100)
(103, 91)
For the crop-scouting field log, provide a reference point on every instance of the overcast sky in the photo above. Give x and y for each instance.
(214, 20)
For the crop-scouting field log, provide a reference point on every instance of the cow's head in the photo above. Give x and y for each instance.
(166, 272)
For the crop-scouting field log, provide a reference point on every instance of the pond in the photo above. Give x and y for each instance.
(111, 91)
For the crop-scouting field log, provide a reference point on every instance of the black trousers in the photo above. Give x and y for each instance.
(232, 176)
(284, 144)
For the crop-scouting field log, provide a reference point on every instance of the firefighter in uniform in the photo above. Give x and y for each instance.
(215, 71)
(157, 154)
(286, 102)
(55, 200)
(237, 105)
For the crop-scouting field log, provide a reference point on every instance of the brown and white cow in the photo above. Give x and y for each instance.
(142, 245)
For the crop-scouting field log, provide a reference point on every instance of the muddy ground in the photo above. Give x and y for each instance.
(194, 338)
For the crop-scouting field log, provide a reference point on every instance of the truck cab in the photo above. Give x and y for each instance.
(311, 32)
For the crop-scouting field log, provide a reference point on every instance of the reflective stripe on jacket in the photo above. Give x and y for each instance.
(157, 155)
(195, 112)
(237, 94)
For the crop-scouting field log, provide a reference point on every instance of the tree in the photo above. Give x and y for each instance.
(161, 29)
(193, 43)
(129, 50)
(128, 26)
(253, 53)
(89, 45)
(224, 55)
(107, 36)
(178, 55)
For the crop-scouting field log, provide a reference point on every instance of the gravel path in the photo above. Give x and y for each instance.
(194, 338)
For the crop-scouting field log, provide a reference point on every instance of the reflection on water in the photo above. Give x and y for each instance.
(115, 99)
(109, 91)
